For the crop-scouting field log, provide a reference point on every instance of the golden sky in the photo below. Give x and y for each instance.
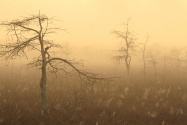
(90, 22)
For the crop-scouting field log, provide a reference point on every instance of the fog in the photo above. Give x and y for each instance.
(153, 92)
(89, 23)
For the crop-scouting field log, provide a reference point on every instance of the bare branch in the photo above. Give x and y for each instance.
(89, 76)
(30, 33)
(15, 49)
(127, 47)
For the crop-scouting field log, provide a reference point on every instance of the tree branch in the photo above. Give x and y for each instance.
(89, 76)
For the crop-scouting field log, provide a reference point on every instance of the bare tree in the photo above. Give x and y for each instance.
(177, 56)
(126, 48)
(144, 56)
(30, 33)
(154, 63)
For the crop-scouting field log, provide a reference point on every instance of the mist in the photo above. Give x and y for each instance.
(104, 62)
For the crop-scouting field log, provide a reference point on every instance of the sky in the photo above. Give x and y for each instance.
(89, 23)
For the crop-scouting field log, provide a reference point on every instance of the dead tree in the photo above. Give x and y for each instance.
(154, 63)
(177, 58)
(126, 49)
(30, 33)
(144, 57)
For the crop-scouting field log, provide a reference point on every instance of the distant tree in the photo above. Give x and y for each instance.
(30, 33)
(143, 50)
(178, 61)
(166, 67)
(127, 48)
(154, 63)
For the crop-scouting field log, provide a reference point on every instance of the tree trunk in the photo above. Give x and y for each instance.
(127, 62)
(43, 79)
(128, 75)
(44, 111)
(43, 91)
(144, 66)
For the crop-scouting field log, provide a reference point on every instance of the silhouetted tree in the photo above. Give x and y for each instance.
(154, 63)
(165, 68)
(143, 50)
(126, 49)
(30, 33)
(178, 61)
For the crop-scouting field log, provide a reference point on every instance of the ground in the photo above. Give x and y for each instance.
(76, 103)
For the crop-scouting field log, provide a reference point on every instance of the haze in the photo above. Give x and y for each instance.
(90, 22)
(147, 88)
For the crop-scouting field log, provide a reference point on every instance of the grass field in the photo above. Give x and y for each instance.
(71, 102)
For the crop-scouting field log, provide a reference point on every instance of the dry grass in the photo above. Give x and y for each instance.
(76, 103)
